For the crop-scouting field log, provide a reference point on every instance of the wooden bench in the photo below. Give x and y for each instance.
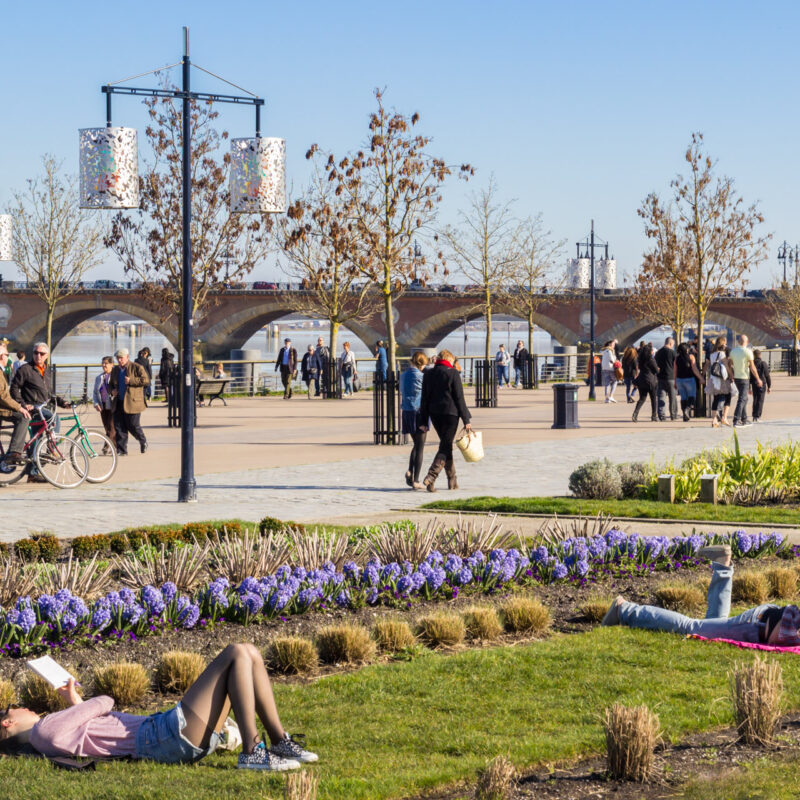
(212, 388)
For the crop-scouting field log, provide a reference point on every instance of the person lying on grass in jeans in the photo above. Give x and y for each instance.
(186, 733)
(764, 624)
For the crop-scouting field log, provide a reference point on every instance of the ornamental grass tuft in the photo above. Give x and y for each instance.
(682, 597)
(300, 786)
(782, 583)
(345, 644)
(497, 780)
(594, 607)
(525, 615)
(125, 681)
(38, 695)
(178, 670)
(750, 587)
(392, 635)
(631, 738)
(292, 655)
(757, 698)
(8, 695)
(441, 629)
(482, 622)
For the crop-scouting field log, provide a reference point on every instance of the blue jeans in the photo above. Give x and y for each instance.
(502, 374)
(347, 376)
(517, 376)
(160, 738)
(740, 414)
(717, 625)
(687, 389)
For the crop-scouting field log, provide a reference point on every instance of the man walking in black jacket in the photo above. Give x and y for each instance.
(286, 362)
(665, 358)
(520, 356)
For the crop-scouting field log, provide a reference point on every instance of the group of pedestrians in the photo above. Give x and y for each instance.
(504, 360)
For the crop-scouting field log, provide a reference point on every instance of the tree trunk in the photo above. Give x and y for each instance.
(334, 336)
(488, 318)
(530, 333)
(51, 310)
(390, 349)
(701, 321)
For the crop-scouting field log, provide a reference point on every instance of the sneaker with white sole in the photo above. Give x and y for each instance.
(266, 760)
(294, 747)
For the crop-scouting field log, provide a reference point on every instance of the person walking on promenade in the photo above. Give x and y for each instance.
(410, 401)
(145, 359)
(307, 368)
(520, 357)
(322, 365)
(347, 368)
(759, 392)
(630, 370)
(665, 358)
(10, 408)
(127, 382)
(686, 377)
(382, 361)
(19, 362)
(101, 397)
(501, 361)
(165, 370)
(286, 362)
(443, 404)
(608, 357)
(646, 382)
(720, 375)
(743, 371)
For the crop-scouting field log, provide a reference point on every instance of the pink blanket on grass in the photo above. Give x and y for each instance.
(748, 645)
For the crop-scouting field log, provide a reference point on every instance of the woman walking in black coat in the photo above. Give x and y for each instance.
(443, 403)
(647, 383)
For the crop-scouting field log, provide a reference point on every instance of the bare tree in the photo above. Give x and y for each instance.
(149, 241)
(55, 241)
(318, 237)
(533, 270)
(393, 188)
(485, 246)
(784, 305)
(720, 230)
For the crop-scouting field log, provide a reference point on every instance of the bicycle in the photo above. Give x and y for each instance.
(100, 450)
(61, 461)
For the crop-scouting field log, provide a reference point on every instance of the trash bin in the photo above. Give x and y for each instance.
(565, 405)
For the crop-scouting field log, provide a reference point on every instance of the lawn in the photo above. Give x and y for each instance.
(394, 730)
(641, 509)
(764, 779)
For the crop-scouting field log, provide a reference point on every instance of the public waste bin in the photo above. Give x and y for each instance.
(565, 405)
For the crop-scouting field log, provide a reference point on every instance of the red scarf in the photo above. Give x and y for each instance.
(444, 362)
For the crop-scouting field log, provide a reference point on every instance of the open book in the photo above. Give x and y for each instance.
(45, 667)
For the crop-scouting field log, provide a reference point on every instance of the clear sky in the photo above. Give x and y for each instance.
(579, 108)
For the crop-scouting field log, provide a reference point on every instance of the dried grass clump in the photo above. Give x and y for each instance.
(631, 737)
(594, 607)
(405, 542)
(441, 629)
(682, 597)
(15, 581)
(482, 622)
(750, 587)
(87, 579)
(757, 697)
(312, 550)
(525, 615)
(300, 786)
(782, 583)
(345, 644)
(178, 670)
(497, 780)
(392, 635)
(38, 695)
(292, 655)
(250, 555)
(125, 681)
(8, 694)
(183, 566)
(554, 530)
(467, 536)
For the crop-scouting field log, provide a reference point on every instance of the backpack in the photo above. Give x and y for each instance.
(718, 370)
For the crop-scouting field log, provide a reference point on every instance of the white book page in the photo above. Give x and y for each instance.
(45, 667)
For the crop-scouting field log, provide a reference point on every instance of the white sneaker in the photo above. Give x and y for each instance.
(293, 748)
(611, 400)
(266, 760)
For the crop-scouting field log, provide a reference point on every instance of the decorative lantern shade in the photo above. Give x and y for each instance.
(258, 176)
(6, 243)
(109, 168)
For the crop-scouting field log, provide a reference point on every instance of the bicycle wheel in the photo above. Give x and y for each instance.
(102, 456)
(9, 473)
(62, 461)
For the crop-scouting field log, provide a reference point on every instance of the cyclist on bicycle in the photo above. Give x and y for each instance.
(9, 407)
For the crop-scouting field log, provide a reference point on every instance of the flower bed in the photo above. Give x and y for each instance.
(62, 619)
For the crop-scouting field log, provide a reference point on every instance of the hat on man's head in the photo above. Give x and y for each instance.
(787, 635)
(123, 351)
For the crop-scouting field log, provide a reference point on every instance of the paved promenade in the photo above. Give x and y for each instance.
(313, 461)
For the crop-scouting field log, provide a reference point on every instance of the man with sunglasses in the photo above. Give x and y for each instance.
(9, 407)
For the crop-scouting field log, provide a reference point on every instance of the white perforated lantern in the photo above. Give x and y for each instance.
(258, 176)
(6, 242)
(109, 168)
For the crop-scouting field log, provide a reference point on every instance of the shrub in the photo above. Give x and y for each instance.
(594, 608)
(525, 615)
(197, 530)
(27, 549)
(272, 525)
(177, 670)
(750, 587)
(165, 536)
(345, 644)
(596, 480)
(135, 539)
(634, 478)
(497, 780)
(119, 543)
(681, 597)
(38, 695)
(782, 583)
(482, 622)
(292, 655)
(87, 546)
(757, 695)
(441, 629)
(3, 548)
(392, 635)
(126, 682)
(8, 695)
(49, 546)
(301, 786)
(631, 737)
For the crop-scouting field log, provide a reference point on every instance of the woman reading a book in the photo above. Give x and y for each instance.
(186, 733)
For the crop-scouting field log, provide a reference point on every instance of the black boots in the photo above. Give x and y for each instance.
(433, 473)
(450, 471)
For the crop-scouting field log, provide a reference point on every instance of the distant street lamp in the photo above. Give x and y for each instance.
(787, 253)
(417, 257)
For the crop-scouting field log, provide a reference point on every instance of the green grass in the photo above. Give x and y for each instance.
(643, 509)
(398, 729)
(763, 779)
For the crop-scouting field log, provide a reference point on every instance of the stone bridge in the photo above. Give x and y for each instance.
(422, 319)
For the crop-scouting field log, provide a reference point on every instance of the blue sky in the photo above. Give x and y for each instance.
(578, 108)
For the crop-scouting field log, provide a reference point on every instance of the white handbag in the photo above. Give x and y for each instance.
(471, 445)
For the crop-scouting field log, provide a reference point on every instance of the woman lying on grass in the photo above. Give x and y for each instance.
(764, 624)
(184, 734)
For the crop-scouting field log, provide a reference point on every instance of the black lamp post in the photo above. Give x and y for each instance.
(790, 255)
(417, 257)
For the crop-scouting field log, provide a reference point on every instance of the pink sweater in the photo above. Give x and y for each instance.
(87, 729)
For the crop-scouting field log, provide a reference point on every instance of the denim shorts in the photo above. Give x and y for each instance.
(160, 738)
